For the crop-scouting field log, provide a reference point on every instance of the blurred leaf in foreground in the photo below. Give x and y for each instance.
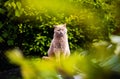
(76, 64)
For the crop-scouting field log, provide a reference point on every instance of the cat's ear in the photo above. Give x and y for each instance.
(54, 26)
(64, 25)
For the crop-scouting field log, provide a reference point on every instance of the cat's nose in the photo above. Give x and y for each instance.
(60, 32)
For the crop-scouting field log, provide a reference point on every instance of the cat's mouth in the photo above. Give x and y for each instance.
(60, 34)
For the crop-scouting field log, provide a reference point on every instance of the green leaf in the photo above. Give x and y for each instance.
(17, 13)
(10, 42)
(14, 5)
(2, 11)
(5, 34)
(1, 40)
(18, 5)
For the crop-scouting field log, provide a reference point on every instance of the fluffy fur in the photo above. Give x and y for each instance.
(59, 45)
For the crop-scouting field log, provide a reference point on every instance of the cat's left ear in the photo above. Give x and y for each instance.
(54, 26)
(64, 25)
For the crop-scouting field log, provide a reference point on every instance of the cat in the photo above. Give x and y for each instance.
(59, 45)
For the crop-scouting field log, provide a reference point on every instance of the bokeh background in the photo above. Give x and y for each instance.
(28, 25)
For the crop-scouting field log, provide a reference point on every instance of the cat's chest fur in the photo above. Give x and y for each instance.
(59, 43)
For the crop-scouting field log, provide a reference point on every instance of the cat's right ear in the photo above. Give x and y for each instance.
(64, 25)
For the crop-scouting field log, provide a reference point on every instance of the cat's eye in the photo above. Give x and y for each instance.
(60, 29)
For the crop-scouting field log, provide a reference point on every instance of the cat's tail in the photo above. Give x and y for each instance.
(46, 58)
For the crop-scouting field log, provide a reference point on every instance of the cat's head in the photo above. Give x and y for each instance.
(60, 30)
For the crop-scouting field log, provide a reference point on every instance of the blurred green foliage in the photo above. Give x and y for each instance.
(28, 24)
(102, 62)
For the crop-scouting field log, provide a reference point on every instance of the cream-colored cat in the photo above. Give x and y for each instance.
(59, 45)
